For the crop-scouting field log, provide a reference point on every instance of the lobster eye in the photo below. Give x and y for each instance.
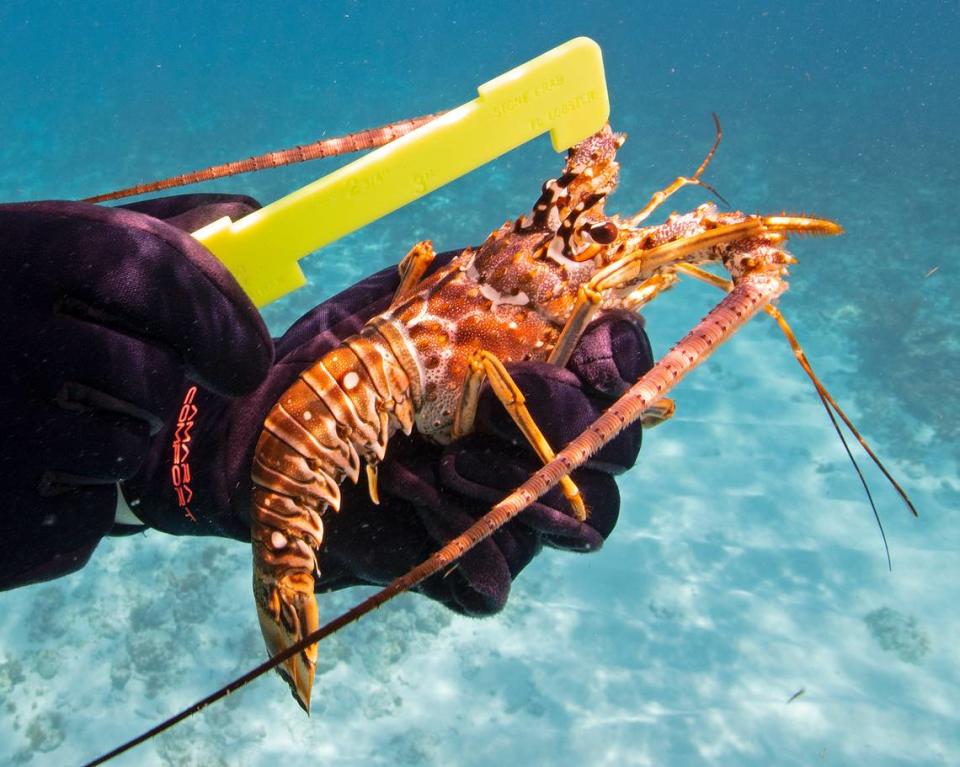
(604, 233)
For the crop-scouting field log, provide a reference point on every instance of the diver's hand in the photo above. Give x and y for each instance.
(105, 313)
(428, 493)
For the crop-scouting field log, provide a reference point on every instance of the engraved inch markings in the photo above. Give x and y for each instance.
(567, 107)
(521, 99)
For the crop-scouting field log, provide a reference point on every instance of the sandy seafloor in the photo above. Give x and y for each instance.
(746, 566)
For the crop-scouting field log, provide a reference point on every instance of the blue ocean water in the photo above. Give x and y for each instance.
(746, 566)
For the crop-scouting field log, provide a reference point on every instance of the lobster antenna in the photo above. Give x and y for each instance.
(744, 301)
(863, 481)
(826, 399)
(330, 147)
(826, 396)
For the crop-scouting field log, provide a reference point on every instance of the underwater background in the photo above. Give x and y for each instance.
(746, 566)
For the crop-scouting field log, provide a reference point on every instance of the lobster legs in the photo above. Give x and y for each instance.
(412, 268)
(484, 364)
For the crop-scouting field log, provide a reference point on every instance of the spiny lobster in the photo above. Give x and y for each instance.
(527, 292)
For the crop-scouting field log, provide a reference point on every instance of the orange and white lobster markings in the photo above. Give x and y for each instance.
(516, 297)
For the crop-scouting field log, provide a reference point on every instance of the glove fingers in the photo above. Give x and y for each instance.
(120, 267)
(368, 544)
(464, 592)
(612, 354)
(480, 467)
(480, 581)
(189, 212)
(477, 584)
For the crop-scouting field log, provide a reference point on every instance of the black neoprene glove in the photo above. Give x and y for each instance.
(99, 379)
(428, 493)
(105, 313)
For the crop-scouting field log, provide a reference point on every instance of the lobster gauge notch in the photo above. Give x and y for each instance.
(562, 91)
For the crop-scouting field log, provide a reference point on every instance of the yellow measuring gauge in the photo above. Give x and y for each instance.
(563, 92)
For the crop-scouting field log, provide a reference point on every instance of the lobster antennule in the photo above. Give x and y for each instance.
(803, 225)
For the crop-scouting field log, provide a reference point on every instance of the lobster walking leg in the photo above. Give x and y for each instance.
(739, 306)
(486, 365)
(588, 302)
(412, 268)
(638, 262)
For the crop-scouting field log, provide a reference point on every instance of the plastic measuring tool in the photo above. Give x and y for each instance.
(563, 92)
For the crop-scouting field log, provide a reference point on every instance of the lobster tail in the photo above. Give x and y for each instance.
(344, 407)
